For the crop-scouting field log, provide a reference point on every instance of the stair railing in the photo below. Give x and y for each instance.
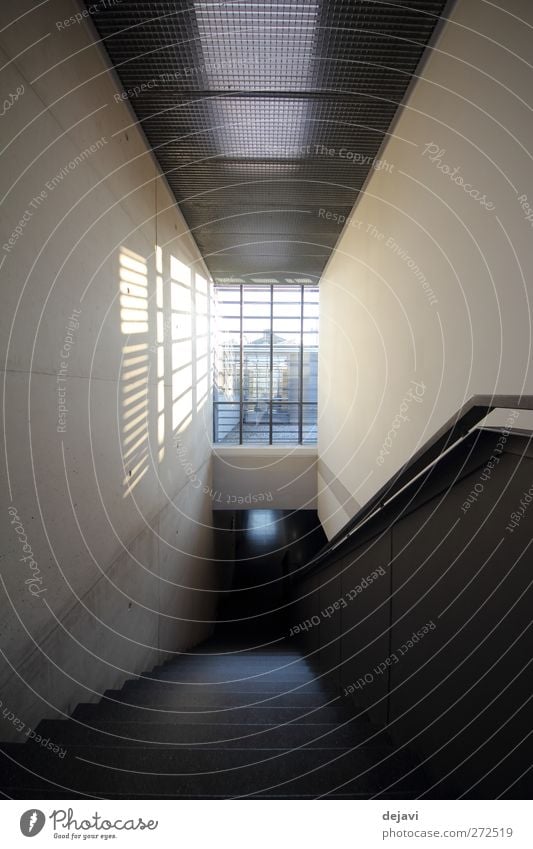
(446, 438)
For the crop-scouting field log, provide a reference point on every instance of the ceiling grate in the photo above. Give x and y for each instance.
(263, 114)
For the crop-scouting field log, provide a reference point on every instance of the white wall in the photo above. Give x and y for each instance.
(272, 478)
(393, 342)
(120, 540)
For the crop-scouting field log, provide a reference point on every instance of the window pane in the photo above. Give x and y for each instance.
(288, 295)
(256, 421)
(256, 375)
(309, 376)
(253, 295)
(227, 374)
(226, 422)
(228, 324)
(229, 309)
(227, 295)
(310, 325)
(279, 363)
(309, 423)
(228, 340)
(285, 423)
(256, 331)
(286, 375)
(310, 299)
(281, 309)
(286, 331)
(310, 338)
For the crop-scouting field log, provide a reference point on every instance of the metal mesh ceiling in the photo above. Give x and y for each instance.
(263, 113)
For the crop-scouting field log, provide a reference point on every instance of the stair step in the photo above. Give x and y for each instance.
(229, 667)
(241, 686)
(66, 733)
(220, 722)
(198, 675)
(227, 773)
(406, 793)
(187, 697)
(273, 715)
(251, 664)
(238, 652)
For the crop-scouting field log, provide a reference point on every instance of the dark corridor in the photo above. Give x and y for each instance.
(264, 551)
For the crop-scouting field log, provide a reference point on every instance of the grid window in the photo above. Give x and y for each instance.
(266, 362)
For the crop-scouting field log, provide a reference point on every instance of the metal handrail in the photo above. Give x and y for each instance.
(443, 441)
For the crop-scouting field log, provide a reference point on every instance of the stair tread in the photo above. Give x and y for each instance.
(275, 715)
(222, 721)
(214, 771)
(17, 793)
(183, 700)
(200, 734)
(241, 685)
(206, 679)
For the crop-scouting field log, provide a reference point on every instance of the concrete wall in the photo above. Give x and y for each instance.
(426, 300)
(106, 388)
(272, 478)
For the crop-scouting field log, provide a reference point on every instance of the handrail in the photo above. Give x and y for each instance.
(444, 440)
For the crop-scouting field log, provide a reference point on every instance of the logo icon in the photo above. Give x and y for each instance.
(32, 822)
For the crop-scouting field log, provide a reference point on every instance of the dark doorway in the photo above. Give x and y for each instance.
(266, 549)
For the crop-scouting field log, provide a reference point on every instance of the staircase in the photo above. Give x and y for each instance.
(221, 721)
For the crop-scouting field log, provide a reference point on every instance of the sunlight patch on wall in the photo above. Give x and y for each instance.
(160, 352)
(133, 293)
(133, 286)
(202, 340)
(181, 341)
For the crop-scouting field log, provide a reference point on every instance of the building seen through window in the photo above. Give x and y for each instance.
(265, 382)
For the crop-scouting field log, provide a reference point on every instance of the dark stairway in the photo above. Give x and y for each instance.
(217, 722)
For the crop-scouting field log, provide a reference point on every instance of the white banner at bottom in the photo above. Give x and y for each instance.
(257, 824)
